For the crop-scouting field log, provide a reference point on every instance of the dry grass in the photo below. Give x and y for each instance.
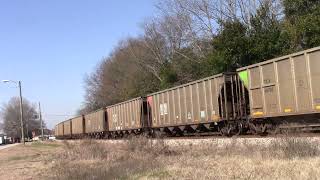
(90, 159)
(142, 158)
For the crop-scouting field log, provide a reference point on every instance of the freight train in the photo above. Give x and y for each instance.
(266, 97)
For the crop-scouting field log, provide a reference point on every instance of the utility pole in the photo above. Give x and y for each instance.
(21, 106)
(21, 113)
(40, 117)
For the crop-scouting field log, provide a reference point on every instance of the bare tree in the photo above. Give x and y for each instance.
(191, 20)
(11, 117)
(127, 72)
(1, 127)
(205, 16)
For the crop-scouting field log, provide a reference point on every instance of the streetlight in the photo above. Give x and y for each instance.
(21, 108)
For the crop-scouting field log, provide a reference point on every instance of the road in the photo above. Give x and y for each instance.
(7, 146)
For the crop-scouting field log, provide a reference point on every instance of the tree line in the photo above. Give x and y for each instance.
(191, 39)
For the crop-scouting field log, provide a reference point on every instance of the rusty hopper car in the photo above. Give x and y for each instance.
(78, 125)
(205, 102)
(95, 123)
(126, 117)
(67, 128)
(284, 86)
(59, 130)
(56, 130)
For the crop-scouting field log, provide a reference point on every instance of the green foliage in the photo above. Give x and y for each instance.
(230, 47)
(303, 22)
(168, 76)
(239, 44)
(267, 37)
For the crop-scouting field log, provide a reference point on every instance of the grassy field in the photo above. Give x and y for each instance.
(140, 158)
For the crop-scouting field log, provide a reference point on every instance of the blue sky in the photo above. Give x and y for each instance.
(50, 45)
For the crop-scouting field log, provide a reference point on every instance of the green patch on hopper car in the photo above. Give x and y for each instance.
(244, 78)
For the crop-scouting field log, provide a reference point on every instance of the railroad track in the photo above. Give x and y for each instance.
(283, 131)
(216, 135)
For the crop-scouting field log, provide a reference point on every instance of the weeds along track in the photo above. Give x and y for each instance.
(217, 140)
(240, 140)
(248, 136)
